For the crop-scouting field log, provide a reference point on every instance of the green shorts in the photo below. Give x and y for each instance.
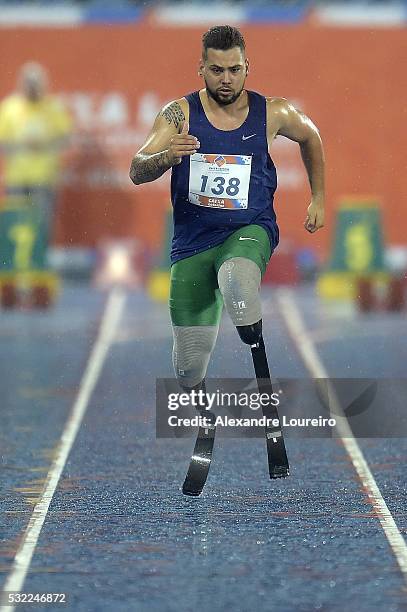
(195, 298)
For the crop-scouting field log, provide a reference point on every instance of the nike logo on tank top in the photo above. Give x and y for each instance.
(229, 183)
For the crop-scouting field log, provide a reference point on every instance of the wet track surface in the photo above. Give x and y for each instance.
(119, 534)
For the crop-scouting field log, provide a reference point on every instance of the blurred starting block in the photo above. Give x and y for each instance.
(25, 279)
(384, 294)
(358, 251)
(358, 269)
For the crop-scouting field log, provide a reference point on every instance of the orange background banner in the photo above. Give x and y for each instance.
(115, 79)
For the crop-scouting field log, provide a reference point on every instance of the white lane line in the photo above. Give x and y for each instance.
(111, 316)
(306, 348)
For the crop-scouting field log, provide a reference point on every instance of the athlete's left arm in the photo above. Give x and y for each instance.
(285, 120)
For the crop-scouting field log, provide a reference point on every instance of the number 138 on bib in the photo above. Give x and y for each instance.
(219, 181)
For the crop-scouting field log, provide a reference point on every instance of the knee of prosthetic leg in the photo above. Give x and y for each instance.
(250, 334)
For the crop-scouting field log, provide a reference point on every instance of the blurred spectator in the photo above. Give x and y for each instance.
(34, 129)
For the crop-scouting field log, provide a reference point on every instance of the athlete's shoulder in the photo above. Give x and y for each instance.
(274, 104)
(278, 104)
(279, 112)
(176, 112)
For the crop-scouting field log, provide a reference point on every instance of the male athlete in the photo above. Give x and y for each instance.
(217, 142)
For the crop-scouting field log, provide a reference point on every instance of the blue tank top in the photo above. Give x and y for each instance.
(229, 183)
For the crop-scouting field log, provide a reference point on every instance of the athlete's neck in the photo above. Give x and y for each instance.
(235, 109)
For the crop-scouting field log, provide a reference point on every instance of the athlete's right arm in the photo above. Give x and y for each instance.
(166, 144)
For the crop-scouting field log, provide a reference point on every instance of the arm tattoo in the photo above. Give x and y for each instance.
(147, 168)
(174, 114)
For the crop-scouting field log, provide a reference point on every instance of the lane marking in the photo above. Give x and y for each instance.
(22, 560)
(302, 339)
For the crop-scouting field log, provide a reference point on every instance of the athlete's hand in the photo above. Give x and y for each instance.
(316, 215)
(182, 144)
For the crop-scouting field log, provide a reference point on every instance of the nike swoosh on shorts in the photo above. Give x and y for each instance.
(244, 238)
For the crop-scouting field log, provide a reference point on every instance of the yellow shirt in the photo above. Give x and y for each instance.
(40, 124)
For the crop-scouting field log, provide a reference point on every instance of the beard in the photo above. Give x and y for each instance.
(220, 100)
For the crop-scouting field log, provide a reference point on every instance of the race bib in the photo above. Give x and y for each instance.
(219, 181)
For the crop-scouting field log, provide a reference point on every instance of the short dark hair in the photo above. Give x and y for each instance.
(222, 37)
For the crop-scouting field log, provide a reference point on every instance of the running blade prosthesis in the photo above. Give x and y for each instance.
(277, 456)
(200, 461)
(202, 456)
